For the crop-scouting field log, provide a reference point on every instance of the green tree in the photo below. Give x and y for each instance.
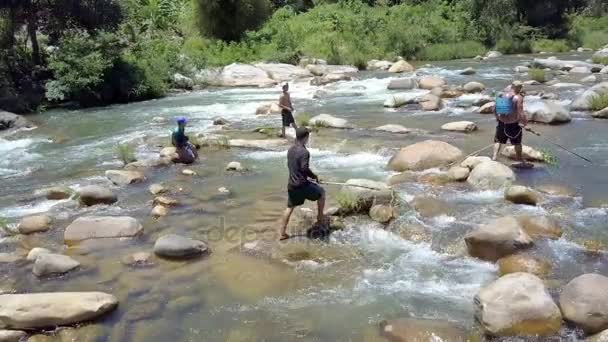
(229, 19)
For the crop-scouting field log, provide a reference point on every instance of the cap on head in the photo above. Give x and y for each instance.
(302, 133)
(182, 120)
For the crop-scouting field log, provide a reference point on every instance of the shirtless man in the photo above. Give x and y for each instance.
(286, 110)
(508, 127)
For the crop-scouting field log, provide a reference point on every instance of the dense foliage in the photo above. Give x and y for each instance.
(92, 52)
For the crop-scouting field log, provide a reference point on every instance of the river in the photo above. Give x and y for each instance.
(337, 290)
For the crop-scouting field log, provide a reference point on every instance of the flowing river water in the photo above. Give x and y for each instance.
(337, 290)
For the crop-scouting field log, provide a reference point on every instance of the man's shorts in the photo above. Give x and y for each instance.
(299, 195)
(511, 132)
(287, 118)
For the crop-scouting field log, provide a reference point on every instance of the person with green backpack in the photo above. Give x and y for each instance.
(509, 113)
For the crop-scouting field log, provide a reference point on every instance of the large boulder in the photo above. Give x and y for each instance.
(474, 87)
(245, 75)
(268, 108)
(326, 120)
(517, 304)
(403, 83)
(491, 175)
(48, 310)
(124, 177)
(603, 53)
(176, 246)
(584, 301)
(10, 120)
(401, 66)
(497, 239)
(540, 227)
(330, 78)
(519, 194)
(375, 64)
(283, 72)
(100, 227)
(430, 82)
(34, 224)
(549, 112)
(363, 194)
(424, 155)
(96, 194)
(528, 153)
(430, 102)
(399, 100)
(487, 108)
(182, 82)
(48, 264)
(523, 263)
(391, 128)
(323, 69)
(582, 102)
(420, 330)
(460, 126)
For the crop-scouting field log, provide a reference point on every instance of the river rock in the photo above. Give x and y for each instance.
(324, 69)
(584, 301)
(234, 166)
(399, 100)
(55, 193)
(268, 108)
(159, 211)
(520, 69)
(403, 84)
(474, 87)
(219, 121)
(580, 70)
(398, 129)
(283, 72)
(473, 161)
(121, 177)
(100, 227)
(447, 93)
(430, 102)
(420, 330)
(458, 173)
(188, 172)
(521, 195)
(540, 227)
(182, 82)
(604, 70)
(9, 258)
(48, 264)
(430, 82)
(424, 155)
(138, 259)
(35, 252)
(490, 175)
(176, 246)
(549, 112)
(582, 102)
(517, 304)
(589, 79)
(497, 239)
(602, 53)
(367, 193)
(156, 189)
(401, 66)
(428, 206)
(601, 114)
(12, 121)
(49, 310)
(528, 153)
(460, 126)
(375, 64)
(304, 61)
(524, 263)
(327, 120)
(34, 224)
(556, 64)
(165, 201)
(95, 194)
(329, 78)
(468, 71)
(245, 75)
(487, 108)
(12, 335)
(557, 190)
(381, 213)
(493, 54)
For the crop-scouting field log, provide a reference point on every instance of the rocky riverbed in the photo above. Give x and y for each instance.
(436, 244)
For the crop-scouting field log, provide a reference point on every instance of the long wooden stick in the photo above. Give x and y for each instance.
(345, 184)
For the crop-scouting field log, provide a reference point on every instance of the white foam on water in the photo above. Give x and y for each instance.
(30, 209)
(16, 156)
(479, 197)
(443, 220)
(234, 111)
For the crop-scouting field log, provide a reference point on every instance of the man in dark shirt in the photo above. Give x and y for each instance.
(299, 187)
(186, 152)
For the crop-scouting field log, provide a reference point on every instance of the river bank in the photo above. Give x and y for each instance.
(249, 287)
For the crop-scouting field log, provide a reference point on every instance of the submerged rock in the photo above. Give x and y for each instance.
(55, 193)
(398, 129)
(95, 194)
(165, 201)
(491, 175)
(584, 301)
(121, 177)
(521, 195)
(420, 330)
(497, 239)
(48, 264)
(49, 310)
(517, 304)
(326, 120)
(156, 189)
(34, 224)
(138, 259)
(176, 246)
(460, 126)
(99, 227)
(524, 263)
(540, 227)
(424, 155)
(468, 71)
(381, 213)
(159, 211)
(427, 206)
(401, 66)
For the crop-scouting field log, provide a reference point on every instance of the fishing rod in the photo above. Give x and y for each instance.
(472, 154)
(345, 184)
(556, 144)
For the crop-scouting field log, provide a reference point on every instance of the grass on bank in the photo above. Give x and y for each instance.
(5, 227)
(303, 119)
(539, 75)
(600, 60)
(598, 102)
(125, 153)
(550, 45)
(448, 51)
